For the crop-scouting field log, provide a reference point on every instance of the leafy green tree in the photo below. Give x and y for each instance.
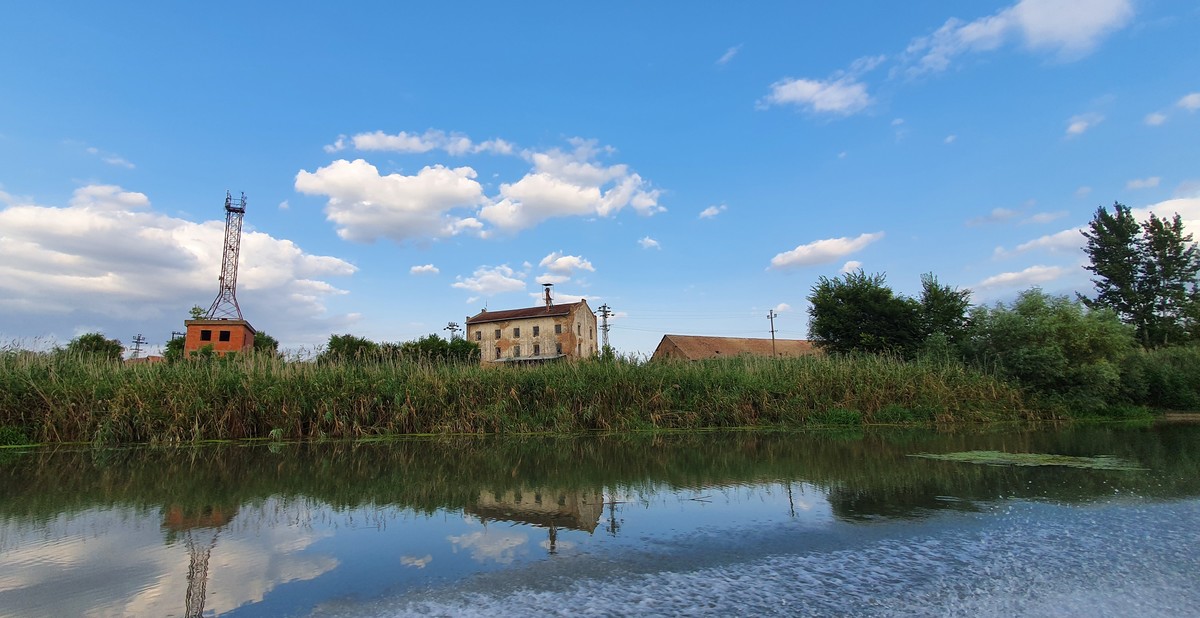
(1145, 273)
(860, 313)
(197, 312)
(265, 344)
(349, 348)
(943, 309)
(1052, 346)
(97, 345)
(433, 348)
(174, 350)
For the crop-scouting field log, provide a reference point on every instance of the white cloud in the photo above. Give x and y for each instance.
(570, 183)
(823, 251)
(1033, 275)
(562, 298)
(1143, 183)
(284, 205)
(1079, 124)
(842, 95)
(1083, 191)
(1071, 240)
(782, 307)
(109, 258)
(1060, 27)
(110, 157)
(728, 55)
(1188, 209)
(998, 215)
(561, 264)
(1190, 102)
(424, 269)
(413, 143)
(1045, 217)
(712, 211)
(491, 280)
(851, 266)
(365, 205)
(1155, 119)
(950, 139)
(552, 279)
(649, 243)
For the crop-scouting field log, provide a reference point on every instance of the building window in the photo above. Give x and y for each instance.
(516, 351)
(497, 352)
(558, 329)
(497, 333)
(537, 349)
(516, 331)
(223, 335)
(579, 329)
(478, 335)
(537, 330)
(206, 335)
(579, 349)
(558, 348)
(590, 336)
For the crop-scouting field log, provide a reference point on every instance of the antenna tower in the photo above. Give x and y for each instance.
(605, 311)
(453, 327)
(225, 306)
(138, 342)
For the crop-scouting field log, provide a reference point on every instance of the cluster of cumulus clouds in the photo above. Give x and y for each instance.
(440, 201)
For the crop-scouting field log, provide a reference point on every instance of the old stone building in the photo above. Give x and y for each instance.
(534, 334)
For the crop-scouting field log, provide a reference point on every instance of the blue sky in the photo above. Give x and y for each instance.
(691, 165)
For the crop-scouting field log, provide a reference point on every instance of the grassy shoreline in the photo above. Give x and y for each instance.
(54, 399)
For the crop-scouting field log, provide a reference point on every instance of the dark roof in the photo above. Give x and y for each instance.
(694, 347)
(529, 312)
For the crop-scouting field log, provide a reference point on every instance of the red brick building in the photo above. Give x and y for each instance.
(224, 336)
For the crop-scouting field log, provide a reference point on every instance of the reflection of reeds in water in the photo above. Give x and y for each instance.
(56, 398)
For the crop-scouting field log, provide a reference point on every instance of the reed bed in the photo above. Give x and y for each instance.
(57, 398)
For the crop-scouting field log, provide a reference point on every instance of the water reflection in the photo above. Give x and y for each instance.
(247, 529)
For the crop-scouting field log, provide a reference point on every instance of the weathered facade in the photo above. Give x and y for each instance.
(690, 347)
(224, 336)
(534, 334)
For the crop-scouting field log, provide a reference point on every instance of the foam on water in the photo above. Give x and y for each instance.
(1031, 560)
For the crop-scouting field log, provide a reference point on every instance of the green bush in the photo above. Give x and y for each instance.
(1165, 378)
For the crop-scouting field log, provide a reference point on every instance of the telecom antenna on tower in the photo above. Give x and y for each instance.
(225, 306)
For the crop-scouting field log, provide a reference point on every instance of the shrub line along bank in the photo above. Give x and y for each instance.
(73, 399)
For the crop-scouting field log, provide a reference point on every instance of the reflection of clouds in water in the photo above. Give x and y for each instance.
(413, 561)
(500, 547)
(130, 570)
(558, 545)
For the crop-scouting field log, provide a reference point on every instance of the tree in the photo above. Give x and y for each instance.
(349, 348)
(943, 310)
(197, 312)
(1145, 273)
(174, 350)
(860, 313)
(96, 345)
(265, 344)
(433, 348)
(1052, 345)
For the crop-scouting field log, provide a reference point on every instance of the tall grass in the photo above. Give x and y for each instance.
(58, 398)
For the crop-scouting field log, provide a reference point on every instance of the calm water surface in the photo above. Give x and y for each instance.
(697, 524)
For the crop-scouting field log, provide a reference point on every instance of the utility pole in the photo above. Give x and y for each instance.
(771, 316)
(138, 342)
(453, 327)
(605, 311)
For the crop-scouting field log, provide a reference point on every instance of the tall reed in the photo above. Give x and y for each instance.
(58, 398)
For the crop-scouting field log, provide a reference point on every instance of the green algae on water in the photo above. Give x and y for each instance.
(998, 458)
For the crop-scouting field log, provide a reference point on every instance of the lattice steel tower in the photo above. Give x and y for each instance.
(225, 306)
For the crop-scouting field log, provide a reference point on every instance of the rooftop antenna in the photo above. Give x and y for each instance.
(549, 301)
(225, 306)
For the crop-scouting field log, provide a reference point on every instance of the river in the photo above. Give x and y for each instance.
(722, 523)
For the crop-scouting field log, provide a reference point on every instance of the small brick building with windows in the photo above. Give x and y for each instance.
(224, 336)
(535, 334)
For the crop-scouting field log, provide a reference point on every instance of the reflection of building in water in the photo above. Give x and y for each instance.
(548, 508)
(200, 528)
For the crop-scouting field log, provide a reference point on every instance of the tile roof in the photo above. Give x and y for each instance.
(694, 347)
(529, 312)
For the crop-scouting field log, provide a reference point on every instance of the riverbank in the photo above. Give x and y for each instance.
(49, 399)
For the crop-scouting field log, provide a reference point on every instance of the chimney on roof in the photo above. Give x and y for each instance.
(549, 301)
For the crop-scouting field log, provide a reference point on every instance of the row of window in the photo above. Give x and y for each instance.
(537, 331)
(537, 350)
(206, 335)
